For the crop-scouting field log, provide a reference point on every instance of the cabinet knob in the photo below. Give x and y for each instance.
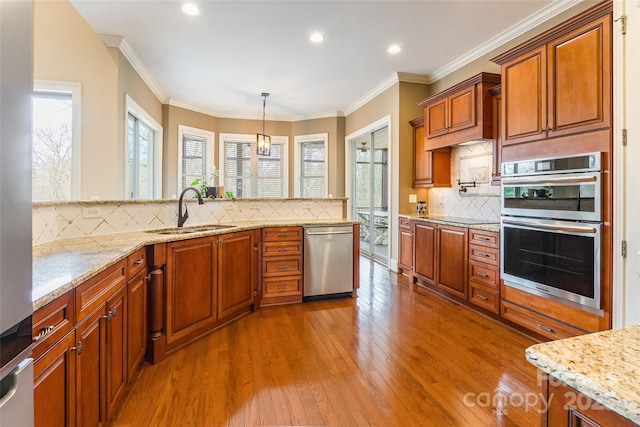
(148, 278)
(114, 311)
(109, 315)
(77, 348)
(544, 328)
(542, 130)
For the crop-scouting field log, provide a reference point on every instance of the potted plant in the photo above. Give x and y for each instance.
(206, 190)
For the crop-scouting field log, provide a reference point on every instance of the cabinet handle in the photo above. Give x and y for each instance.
(43, 333)
(148, 278)
(114, 311)
(542, 130)
(544, 328)
(484, 239)
(77, 348)
(285, 249)
(109, 315)
(139, 261)
(283, 286)
(549, 129)
(482, 254)
(482, 297)
(283, 234)
(283, 267)
(221, 241)
(483, 275)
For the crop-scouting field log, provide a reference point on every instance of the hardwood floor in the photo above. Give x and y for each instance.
(391, 357)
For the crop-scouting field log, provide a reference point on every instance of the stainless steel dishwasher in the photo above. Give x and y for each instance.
(328, 261)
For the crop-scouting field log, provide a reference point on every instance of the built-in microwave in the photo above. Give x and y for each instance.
(551, 228)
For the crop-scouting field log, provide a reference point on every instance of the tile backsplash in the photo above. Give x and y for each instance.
(52, 221)
(469, 163)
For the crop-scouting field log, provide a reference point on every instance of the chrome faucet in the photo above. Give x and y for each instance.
(183, 218)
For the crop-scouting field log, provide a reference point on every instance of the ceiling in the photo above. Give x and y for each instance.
(221, 60)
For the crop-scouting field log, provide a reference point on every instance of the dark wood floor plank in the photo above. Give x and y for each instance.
(395, 356)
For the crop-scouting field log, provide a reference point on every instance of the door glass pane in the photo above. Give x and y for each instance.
(362, 193)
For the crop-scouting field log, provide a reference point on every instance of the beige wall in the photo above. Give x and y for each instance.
(67, 49)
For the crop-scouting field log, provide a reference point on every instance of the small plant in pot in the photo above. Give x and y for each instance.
(205, 189)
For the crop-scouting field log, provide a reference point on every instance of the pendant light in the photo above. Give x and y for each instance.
(263, 141)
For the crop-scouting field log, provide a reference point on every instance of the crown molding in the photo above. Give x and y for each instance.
(130, 54)
(553, 9)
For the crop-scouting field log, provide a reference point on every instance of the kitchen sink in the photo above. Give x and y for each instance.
(189, 230)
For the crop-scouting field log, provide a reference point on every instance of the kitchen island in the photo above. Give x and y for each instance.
(593, 378)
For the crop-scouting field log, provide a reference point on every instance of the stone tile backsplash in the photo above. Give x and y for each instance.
(468, 163)
(52, 221)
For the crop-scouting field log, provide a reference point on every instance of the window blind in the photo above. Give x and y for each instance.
(194, 152)
(248, 175)
(312, 169)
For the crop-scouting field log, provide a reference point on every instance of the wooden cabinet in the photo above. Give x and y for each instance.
(424, 252)
(452, 260)
(430, 168)
(560, 82)
(137, 329)
(459, 114)
(236, 272)
(54, 384)
(405, 247)
(116, 354)
(484, 270)
(568, 407)
(281, 265)
(496, 168)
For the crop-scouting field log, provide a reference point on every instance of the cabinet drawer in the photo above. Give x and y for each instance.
(136, 262)
(281, 248)
(96, 290)
(404, 223)
(281, 233)
(484, 238)
(484, 274)
(283, 287)
(484, 297)
(52, 322)
(487, 255)
(538, 323)
(282, 266)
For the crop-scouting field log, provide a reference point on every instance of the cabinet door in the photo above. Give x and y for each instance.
(54, 387)
(421, 159)
(405, 256)
(424, 252)
(90, 408)
(496, 171)
(435, 119)
(116, 349)
(452, 260)
(191, 300)
(236, 272)
(580, 79)
(524, 87)
(462, 109)
(136, 322)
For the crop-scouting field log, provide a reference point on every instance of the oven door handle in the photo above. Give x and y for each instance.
(547, 181)
(583, 229)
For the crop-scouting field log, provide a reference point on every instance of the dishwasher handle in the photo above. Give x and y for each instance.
(325, 233)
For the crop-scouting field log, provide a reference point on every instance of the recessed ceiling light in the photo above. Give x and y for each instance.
(394, 48)
(316, 37)
(190, 9)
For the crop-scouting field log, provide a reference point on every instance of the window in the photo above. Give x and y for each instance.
(248, 175)
(143, 154)
(56, 141)
(195, 156)
(311, 165)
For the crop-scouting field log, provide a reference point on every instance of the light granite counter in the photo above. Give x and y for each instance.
(604, 366)
(458, 222)
(61, 265)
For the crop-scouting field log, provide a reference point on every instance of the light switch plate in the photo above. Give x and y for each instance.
(91, 212)
(413, 198)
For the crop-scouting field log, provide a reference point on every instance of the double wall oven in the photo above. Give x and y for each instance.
(551, 228)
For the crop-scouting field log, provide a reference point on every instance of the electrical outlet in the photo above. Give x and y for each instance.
(413, 198)
(307, 205)
(91, 212)
(254, 206)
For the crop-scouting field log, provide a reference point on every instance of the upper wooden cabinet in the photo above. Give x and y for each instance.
(496, 173)
(459, 114)
(430, 168)
(559, 83)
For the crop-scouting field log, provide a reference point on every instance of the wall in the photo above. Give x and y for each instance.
(67, 49)
(53, 221)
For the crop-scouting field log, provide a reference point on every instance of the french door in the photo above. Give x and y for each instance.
(371, 192)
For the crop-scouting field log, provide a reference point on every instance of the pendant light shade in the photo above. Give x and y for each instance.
(263, 141)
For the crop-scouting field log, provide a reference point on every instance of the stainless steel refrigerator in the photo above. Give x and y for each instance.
(16, 308)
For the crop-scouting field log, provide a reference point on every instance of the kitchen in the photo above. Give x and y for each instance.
(52, 227)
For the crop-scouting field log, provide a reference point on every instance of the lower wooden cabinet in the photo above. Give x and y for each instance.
(90, 380)
(115, 350)
(236, 274)
(137, 328)
(54, 384)
(405, 247)
(452, 260)
(281, 265)
(424, 252)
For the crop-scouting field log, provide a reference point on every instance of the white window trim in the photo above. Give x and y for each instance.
(298, 140)
(209, 136)
(76, 126)
(251, 138)
(136, 110)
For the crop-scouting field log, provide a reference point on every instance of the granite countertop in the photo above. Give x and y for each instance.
(476, 224)
(604, 366)
(61, 265)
